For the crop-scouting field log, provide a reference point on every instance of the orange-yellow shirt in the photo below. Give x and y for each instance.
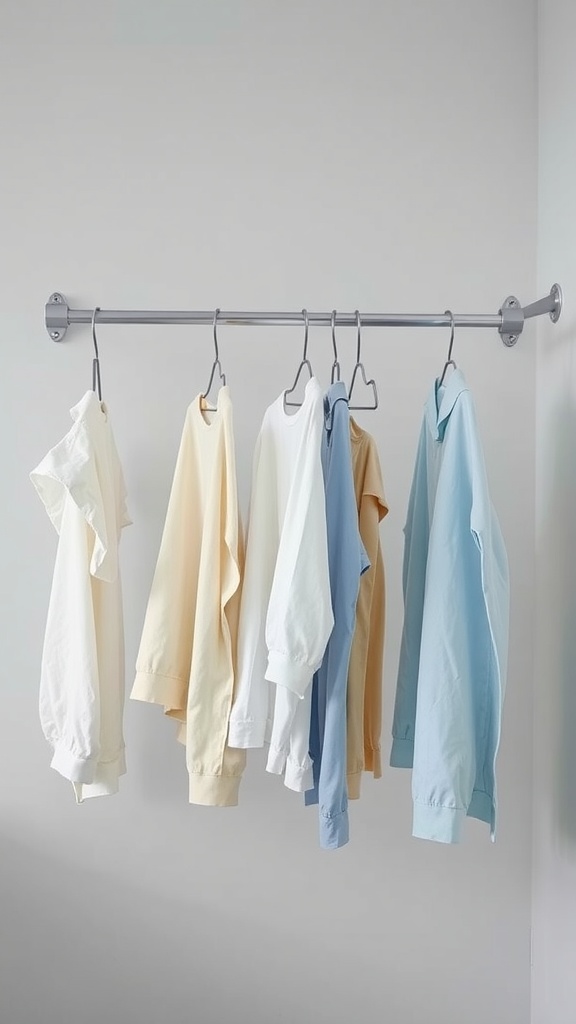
(364, 698)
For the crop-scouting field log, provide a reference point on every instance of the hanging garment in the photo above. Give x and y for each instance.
(454, 644)
(364, 698)
(82, 677)
(347, 560)
(286, 613)
(187, 651)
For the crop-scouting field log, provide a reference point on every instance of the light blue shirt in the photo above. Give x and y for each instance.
(347, 560)
(455, 639)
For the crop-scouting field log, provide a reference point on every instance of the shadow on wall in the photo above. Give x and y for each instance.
(560, 527)
(79, 947)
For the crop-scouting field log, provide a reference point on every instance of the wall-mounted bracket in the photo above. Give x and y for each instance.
(56, 316)
(512, 321)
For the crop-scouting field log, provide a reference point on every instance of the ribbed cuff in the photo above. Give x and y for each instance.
(158, 689)
(402, 753)
(353, 782)
(334, 831)
(441, 824)
(284, 671)
(214, 790)
(75, 769)
(245, 734)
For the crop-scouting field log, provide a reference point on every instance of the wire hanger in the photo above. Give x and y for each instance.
(216, 365)
(449, 360)
(335, 374)
(305, 362)
(360, 366)
(96, 380)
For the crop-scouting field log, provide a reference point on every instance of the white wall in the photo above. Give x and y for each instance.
(257, 155)
(554, 909)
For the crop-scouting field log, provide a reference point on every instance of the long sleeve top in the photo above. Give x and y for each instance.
(286, 612)
(364, 696)
(186, 660)
(81, 484)
(453, 655)
(347, 562)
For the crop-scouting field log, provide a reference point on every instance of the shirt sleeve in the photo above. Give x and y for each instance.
(416, 537)
(300, 618)
(69, 703)
(373, 488)
(69, 471)
(165, 654)
(249, 718)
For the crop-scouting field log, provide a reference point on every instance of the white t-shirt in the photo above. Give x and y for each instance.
(81, 484)
(286, 611)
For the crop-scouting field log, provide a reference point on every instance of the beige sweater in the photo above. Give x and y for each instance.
(187, 655)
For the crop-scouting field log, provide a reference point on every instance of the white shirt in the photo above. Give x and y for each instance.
(82, 677)
(286, 611)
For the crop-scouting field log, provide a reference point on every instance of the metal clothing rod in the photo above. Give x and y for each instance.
(509, 320)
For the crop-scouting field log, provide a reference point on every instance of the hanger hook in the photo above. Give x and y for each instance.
(449, 313)
(216, 355)
(216, 365)
(96, 381)
(359, 335)
(449, 360)
(359, 366)
(304, 362)
(306, 322)
(96, 310)
(335, 375)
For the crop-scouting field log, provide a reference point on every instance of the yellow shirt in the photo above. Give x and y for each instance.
(187, 653)
(364, 697)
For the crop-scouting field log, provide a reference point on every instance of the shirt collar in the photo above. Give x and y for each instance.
(335, 393)
(441, 401)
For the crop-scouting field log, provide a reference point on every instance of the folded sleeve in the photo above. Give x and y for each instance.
(69, 471)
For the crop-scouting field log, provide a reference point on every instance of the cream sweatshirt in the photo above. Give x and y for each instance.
(187, 651)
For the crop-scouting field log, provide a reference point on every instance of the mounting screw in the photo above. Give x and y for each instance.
(54, 335)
